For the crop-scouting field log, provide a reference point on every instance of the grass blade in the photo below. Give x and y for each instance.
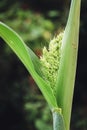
(67, 70)
(25, 55)
(16, 44)
(36, 61)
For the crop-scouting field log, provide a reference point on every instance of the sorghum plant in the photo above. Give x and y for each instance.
(54, 72)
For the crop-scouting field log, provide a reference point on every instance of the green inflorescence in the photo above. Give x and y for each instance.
(50, 60)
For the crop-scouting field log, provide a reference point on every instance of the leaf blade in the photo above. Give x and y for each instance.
(36, 61)
(21, 50)
(67, 70)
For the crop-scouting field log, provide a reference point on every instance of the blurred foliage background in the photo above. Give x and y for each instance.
(22, 106)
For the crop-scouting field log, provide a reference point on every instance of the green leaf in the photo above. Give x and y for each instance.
(25, 55)
(36, 61)
(17, 45)
(68, 61)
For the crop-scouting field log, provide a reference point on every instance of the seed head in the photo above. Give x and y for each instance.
(50, 60)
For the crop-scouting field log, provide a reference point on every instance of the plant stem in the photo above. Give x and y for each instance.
(58, 122)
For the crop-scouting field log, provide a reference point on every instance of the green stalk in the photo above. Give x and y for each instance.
(58, 121)
(67, 69)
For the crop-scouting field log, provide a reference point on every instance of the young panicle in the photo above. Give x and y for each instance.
(50, 60)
